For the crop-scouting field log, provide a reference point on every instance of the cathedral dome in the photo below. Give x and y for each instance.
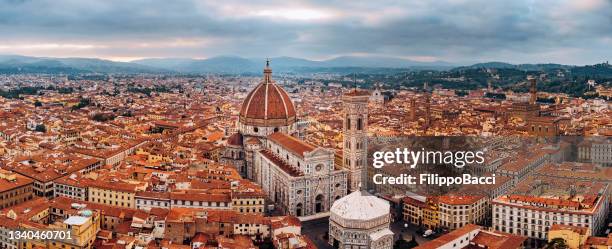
(267, 105)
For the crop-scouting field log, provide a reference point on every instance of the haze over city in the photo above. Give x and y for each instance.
(458, 32)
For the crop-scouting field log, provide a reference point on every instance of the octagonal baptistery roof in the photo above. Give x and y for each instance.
(267, 105)
(360, 208)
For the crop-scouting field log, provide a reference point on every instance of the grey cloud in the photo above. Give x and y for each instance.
(514, 31)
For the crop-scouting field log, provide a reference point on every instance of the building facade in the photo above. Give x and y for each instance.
(446, 211)
(300, 178)
(360, 220)
(533, 216)
(14, 189)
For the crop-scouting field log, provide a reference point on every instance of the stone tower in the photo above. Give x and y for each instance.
(427, 109)
(413, 109)
(355, 137)
(533, 90)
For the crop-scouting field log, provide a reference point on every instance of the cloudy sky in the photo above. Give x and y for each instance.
(459, 31)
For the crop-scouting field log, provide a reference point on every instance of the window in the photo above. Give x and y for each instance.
(319, 167)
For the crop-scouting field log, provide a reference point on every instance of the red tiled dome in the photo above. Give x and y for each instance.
(267, 105)
(235, 139)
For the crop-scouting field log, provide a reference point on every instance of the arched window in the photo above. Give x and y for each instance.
(359, 124)
(348, 123)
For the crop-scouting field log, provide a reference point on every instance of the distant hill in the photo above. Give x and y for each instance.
(593, 71)
(25, 64)
(233, 64)
(16, 64)
(523, 67)
(603, 70)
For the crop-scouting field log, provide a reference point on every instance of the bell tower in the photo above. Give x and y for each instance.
(533, 90)
(355, 136)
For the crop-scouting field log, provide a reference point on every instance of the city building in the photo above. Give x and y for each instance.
(265, 110)
(360, 220)
(543, 126)
(472, 236)
(421, 211)
(14, 189)
(538, 203)
(574, 236)
(83, 230)
(250, 201)
(598, 242)
(113, 192)
(73, 186)
(46, 168)
(530, 108)
(300, 178)
(146, 200)
(459, 210)
(596, 150)
(377, 97)
(450, 211)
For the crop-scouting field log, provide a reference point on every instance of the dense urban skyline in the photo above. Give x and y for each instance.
(461, 32)
(305, 124)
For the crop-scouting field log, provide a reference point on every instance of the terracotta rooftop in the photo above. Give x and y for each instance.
(576, 229)
(10, 180)
(297, 146)
(235, 139)
(282, 164)
(446, 238)
(493, 240)
(598, 241)
(459, 199)
(357, 92)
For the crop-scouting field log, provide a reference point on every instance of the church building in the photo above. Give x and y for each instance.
(300, 178)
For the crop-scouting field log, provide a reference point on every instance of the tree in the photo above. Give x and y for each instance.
(266, 244)
(41, 128)
(83, 102)
(37, 103)
(403, 244)
(103, 117)
(556, 243)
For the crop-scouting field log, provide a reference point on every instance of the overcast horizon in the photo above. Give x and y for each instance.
(454, 31)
